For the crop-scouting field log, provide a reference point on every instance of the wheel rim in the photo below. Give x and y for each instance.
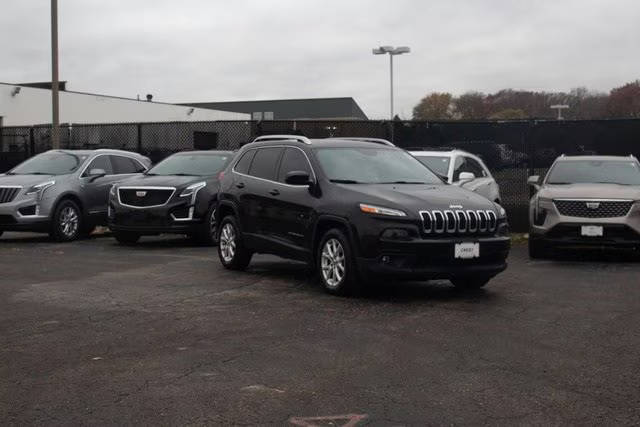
(69, 221)
(228, 242)
(213, 226)
(333, 263)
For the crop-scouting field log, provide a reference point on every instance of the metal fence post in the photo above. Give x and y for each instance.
(139, 129)
(32, 143)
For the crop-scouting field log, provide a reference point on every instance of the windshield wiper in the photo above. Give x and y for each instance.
(344, 181)
(403, 182)
(183, 174)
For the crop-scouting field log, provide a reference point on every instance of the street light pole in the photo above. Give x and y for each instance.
(392, 51)
(55, 119)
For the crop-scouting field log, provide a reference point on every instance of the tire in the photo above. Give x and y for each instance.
(207, 233)
(231, 251)
(536, 249)
(470, 282)
(335, 264)
(126, 237)
(66, 223)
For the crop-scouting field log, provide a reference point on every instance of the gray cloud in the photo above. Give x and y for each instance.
(205, 50)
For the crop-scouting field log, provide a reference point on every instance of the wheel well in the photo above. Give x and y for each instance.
(224, 210)
(73, 198)
(325, 225)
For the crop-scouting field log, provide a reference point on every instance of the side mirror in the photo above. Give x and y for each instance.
(298, 178)
(466, 177)
(95, 174)
(534, 181)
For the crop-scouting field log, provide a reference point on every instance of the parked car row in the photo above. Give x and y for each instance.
(355, 209)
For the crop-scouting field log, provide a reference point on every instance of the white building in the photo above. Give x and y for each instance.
(28, 106)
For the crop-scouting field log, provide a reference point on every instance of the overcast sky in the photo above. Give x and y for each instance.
(213, 50)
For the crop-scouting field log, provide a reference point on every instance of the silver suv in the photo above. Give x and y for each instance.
(586, 200)
(64, 192)
(461, 168)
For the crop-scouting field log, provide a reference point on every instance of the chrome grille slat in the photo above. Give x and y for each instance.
(462, 222)
(7, 193)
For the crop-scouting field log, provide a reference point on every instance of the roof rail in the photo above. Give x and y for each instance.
(427, 148)
(374, 140)
(298, 138)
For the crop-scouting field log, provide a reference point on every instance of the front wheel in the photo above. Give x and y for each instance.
(126, 237)
(231, 251)
(336, 264)
(67, 222)
(470, 282)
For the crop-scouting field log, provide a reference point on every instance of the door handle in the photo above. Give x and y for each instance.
(274, 192)
(240, 185)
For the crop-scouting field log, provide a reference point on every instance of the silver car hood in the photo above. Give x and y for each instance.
(590, 191)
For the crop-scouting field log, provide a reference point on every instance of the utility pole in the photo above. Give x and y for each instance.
(55, 119)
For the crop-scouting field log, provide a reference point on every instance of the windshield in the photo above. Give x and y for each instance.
(624, 172)
(191, 164)
(373, 166)
(438, 164)
(49, 163)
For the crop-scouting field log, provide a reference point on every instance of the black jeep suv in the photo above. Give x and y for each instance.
(356, 210)
(178, 196)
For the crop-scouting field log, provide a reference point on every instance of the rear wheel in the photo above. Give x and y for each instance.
(470, 282)
(536, 249)
(126, 237)
(231, 251)
(336, 265)
(207, 233)
(67, 222)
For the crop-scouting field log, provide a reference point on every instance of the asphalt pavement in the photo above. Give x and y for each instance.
(95, 333)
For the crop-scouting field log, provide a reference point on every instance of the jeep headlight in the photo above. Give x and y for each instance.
(379, 210)
(192, 190)
(39, 189)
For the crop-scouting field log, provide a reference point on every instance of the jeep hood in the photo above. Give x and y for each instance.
(590, 191)
(416, 197)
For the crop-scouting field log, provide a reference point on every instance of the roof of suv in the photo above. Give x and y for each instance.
(594, 158)
(99, 150)
(446, 152)
(341, 142)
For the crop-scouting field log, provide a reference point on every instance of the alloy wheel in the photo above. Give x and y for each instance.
(333, 263)
(69, 221)
(228, 242)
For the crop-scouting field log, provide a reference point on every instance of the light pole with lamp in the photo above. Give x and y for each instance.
(392, 51)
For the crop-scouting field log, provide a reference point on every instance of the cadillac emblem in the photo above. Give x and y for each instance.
(141, 193)
(593, 205)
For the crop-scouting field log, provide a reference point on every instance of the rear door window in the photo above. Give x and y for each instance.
(125, 165)
(265, 162)
(245, 162)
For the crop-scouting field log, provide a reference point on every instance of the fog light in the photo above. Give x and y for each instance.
(396, 234)
(386, 259)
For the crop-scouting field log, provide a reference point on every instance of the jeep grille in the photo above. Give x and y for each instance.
(459, 221)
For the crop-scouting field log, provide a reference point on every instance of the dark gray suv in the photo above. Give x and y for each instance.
(64, 192)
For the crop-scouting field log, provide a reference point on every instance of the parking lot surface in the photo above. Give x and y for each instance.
(95, 333)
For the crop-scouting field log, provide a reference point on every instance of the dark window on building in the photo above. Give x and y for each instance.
(205, 140)
(293, 160)
(100, 162)
(245, 161)
(265, 162)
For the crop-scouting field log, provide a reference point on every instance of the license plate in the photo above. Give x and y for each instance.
(467, 250)
(592, 230)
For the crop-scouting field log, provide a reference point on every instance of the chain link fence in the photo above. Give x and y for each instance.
(513, 150)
